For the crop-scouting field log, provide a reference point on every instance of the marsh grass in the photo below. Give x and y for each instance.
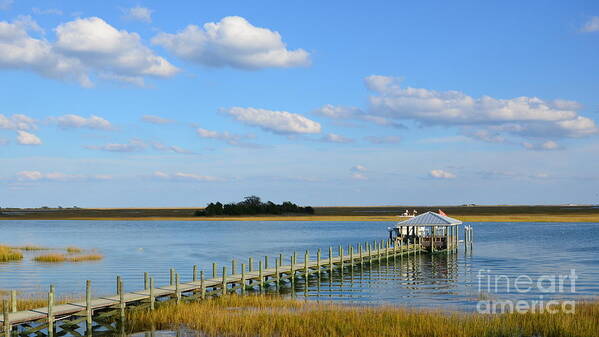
(73, 250)
(9, 254)
(273, 316)
(31, 248)
(58, 258)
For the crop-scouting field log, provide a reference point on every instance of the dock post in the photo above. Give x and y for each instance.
(194, 274)
(152, 297)
(292, 270)
(361, 256)
(213, 269)
(146, 275)
(6, 318)
(233, 267)
(121, 301)
(13, 301)
(294, 261)
(351, 256)
(471, 237)
(260, 275)
(172, 276)
(202, 285)
(331, 263)
(369, 253)
(306, 272)
(118, 284)
(281, 259)
(251, 264)
(224, 282)
(318, 261)
(266, 262)
(278, 277)
(341, 257)
(88, 304)
(243, 278)
(177, 288)
(433, 238)
(50, 311)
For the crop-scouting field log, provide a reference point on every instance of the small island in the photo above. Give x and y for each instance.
(252, 205)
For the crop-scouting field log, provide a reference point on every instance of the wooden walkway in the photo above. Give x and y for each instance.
(90, 311)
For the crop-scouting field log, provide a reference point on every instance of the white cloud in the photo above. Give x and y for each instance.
(26, 138)
(227, 137)
(6, 4)
(358, 168)
(383, 139)
(83, 47)
(75, 122)
(232, 42)
(487, 136)
(57, 176)
(544, 146)
(346, 113)
(335, 138)
(17, 122)
(440, 174)
(180, 176)
(169, 148)
(48, 11)
(359, 176)
(156, 120)
(591, 26)
(521, 116)
(139, 13)
(134, 145)
(281, 122)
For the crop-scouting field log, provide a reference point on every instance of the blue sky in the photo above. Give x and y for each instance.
(148, 103)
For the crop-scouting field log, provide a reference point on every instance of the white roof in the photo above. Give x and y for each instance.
(430, 218)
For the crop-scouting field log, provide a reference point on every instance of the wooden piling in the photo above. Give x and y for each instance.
(233, 267)
(318, 261)
(51, 312)
(278, 275)
(194, 273)
(351, 256)
(118, 284)
(243, 278)
(251, 264)
(292, 270)
(121, 301)
(260, 275)
(341, 257)
(146, 285)
(6, 317)
(172, 276)
(224, 281)
(177, 288)
(213, 269)
(13, 301)
(88, 304)
(369, 253)
(306, 261)
(331, 263)
(202, 285)
(266, 262)
(152, 296)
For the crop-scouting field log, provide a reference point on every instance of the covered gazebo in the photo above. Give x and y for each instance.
(430, 231)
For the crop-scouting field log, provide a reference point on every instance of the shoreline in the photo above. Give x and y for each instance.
(363, 218)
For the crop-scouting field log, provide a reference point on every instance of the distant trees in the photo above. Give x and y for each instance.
(252, 205)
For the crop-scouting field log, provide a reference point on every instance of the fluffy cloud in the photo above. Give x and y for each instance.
(156, 120)
(83, 47)
(358, 168)
(348, 113)
(544, 146)
(232, 42)
(169, 148)
(57, 176)
(17, 122)
(281, 122)
(134, 145)
(180, 176)
(335, 138)
(440, 174)
(76, 122)
(383, 139)
(591, 26)
(139, 13)
(26, 138)
(227, 137)
(522, 116)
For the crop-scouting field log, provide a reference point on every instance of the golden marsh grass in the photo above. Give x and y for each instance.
(73, 250)
(273, 316)
(57, 258)
(9, 254)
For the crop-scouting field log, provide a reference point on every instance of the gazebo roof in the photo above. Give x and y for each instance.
(430, 219)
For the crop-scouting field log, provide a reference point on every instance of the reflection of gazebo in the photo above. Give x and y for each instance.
(432, 231)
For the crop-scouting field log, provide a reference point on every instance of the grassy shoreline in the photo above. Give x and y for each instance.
(274, 316)
(363, 218)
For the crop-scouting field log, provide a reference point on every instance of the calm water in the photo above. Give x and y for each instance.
(134, 247)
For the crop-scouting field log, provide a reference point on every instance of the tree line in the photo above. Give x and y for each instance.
(252, 205)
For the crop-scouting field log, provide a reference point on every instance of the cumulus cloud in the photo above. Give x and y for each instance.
(83, 47)
(383, 139)
(77, 122)
(139, 13)
(281, 122)
(232, 42)
(591, 26)
(26, 138)
(17, 122)
(521, 116)
(134, 145)
(544, 146)
(57, 176)
(181, 176)
(335, 138)
(440, 174)
(156, 120)
(344, 114)
(227, 137)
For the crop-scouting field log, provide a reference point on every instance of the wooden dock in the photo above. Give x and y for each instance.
(101, 312)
